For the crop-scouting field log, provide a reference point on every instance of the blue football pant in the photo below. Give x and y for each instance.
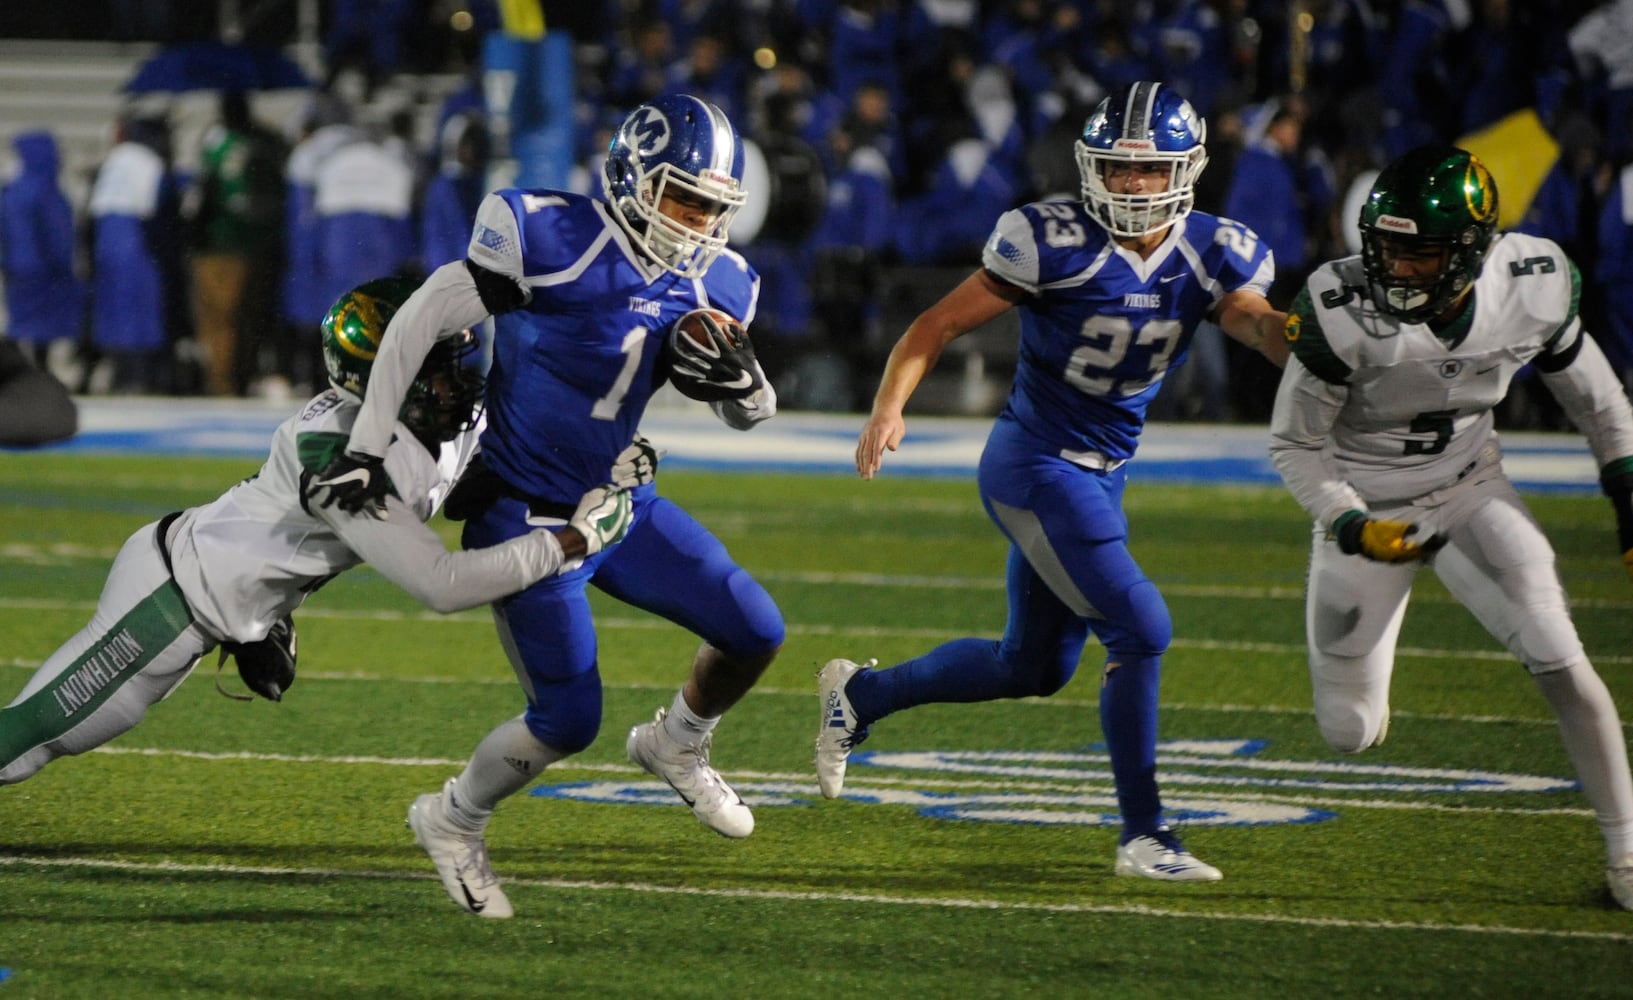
(668, 564)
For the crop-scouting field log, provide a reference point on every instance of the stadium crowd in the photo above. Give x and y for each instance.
(895, 133)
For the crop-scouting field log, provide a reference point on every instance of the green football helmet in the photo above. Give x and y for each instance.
(444, 399)
(1434, 198)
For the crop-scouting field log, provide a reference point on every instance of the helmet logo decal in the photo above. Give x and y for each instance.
(649, 131)
(1478, 191)
(358, 316)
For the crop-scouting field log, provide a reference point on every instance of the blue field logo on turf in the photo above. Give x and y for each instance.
(1207, 783)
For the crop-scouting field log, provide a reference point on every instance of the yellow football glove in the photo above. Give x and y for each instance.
(1382, 541)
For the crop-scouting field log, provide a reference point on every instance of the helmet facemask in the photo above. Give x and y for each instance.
(678, 247)
(1133, 215)
(445, 398)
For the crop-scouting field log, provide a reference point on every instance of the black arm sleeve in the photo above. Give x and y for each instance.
(499, 293)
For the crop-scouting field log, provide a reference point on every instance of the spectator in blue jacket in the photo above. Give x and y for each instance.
(448, 207)
(137, 289)
(45, 297)
(364, 204)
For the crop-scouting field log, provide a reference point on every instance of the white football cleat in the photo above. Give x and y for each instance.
(1162, 857)
(1619, 877)
(461, 857)
(837, 733)
(686, 768)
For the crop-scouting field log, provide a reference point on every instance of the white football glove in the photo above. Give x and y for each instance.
(602, 517)
(637, 464)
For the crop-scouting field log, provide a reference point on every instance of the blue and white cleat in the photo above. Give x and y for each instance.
(1162, 857)
(838, 733)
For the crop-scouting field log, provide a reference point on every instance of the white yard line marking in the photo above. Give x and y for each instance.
(950, 903)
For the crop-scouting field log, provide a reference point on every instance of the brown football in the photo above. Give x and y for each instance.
(693, 327)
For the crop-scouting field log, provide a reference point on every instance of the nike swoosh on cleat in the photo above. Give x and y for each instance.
(677, 791)
(471, 902)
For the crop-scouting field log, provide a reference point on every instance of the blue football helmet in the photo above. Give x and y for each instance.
(1142, 123)
(675, 145)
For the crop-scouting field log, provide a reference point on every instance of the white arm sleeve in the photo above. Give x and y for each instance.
(447, 303)
(1299, 428)
(1591, 395)
(413, 556)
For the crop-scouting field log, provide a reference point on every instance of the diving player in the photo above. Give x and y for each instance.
(1110, 290)
(584, 293)
(1383, 431)
(229, 573)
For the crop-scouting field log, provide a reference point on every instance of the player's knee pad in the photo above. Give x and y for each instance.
(1143, 629)
(568, 717)
(1346, 728)
(1546, 641)
(1349, 713)
(758, 628)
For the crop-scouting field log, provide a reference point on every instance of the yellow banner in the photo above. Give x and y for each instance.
(524, 19)
(1519, 152)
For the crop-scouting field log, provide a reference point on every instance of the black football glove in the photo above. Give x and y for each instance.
(724, 368)
(1382, 541)
(267, 667)
(1619, 488)
(354, 483)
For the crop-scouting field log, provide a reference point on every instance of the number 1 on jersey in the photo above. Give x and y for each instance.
(606, 408)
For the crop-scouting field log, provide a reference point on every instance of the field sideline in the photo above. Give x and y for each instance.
(234, 850)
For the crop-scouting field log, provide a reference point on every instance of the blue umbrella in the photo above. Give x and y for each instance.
(216, 66)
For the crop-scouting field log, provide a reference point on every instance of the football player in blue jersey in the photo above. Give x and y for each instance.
(1110, 289)
(585, 294)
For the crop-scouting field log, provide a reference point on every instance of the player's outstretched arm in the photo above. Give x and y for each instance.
(977, 299)
(1247, 317)
(410, 554)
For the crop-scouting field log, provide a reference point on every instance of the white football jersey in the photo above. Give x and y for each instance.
(252, 555)
(1396, 411)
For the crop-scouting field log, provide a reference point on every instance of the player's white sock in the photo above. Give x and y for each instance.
(1593, 737)
(685, 726)
(505, 762)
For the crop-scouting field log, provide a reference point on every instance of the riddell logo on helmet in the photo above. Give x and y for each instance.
(1396, 224)
(1140, 145)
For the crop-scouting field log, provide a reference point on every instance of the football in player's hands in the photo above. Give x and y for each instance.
(711, 358)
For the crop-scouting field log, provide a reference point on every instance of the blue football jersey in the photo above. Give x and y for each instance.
(574, 369)
(1103, 326)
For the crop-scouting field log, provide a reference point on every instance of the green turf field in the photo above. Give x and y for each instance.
(235, 850)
